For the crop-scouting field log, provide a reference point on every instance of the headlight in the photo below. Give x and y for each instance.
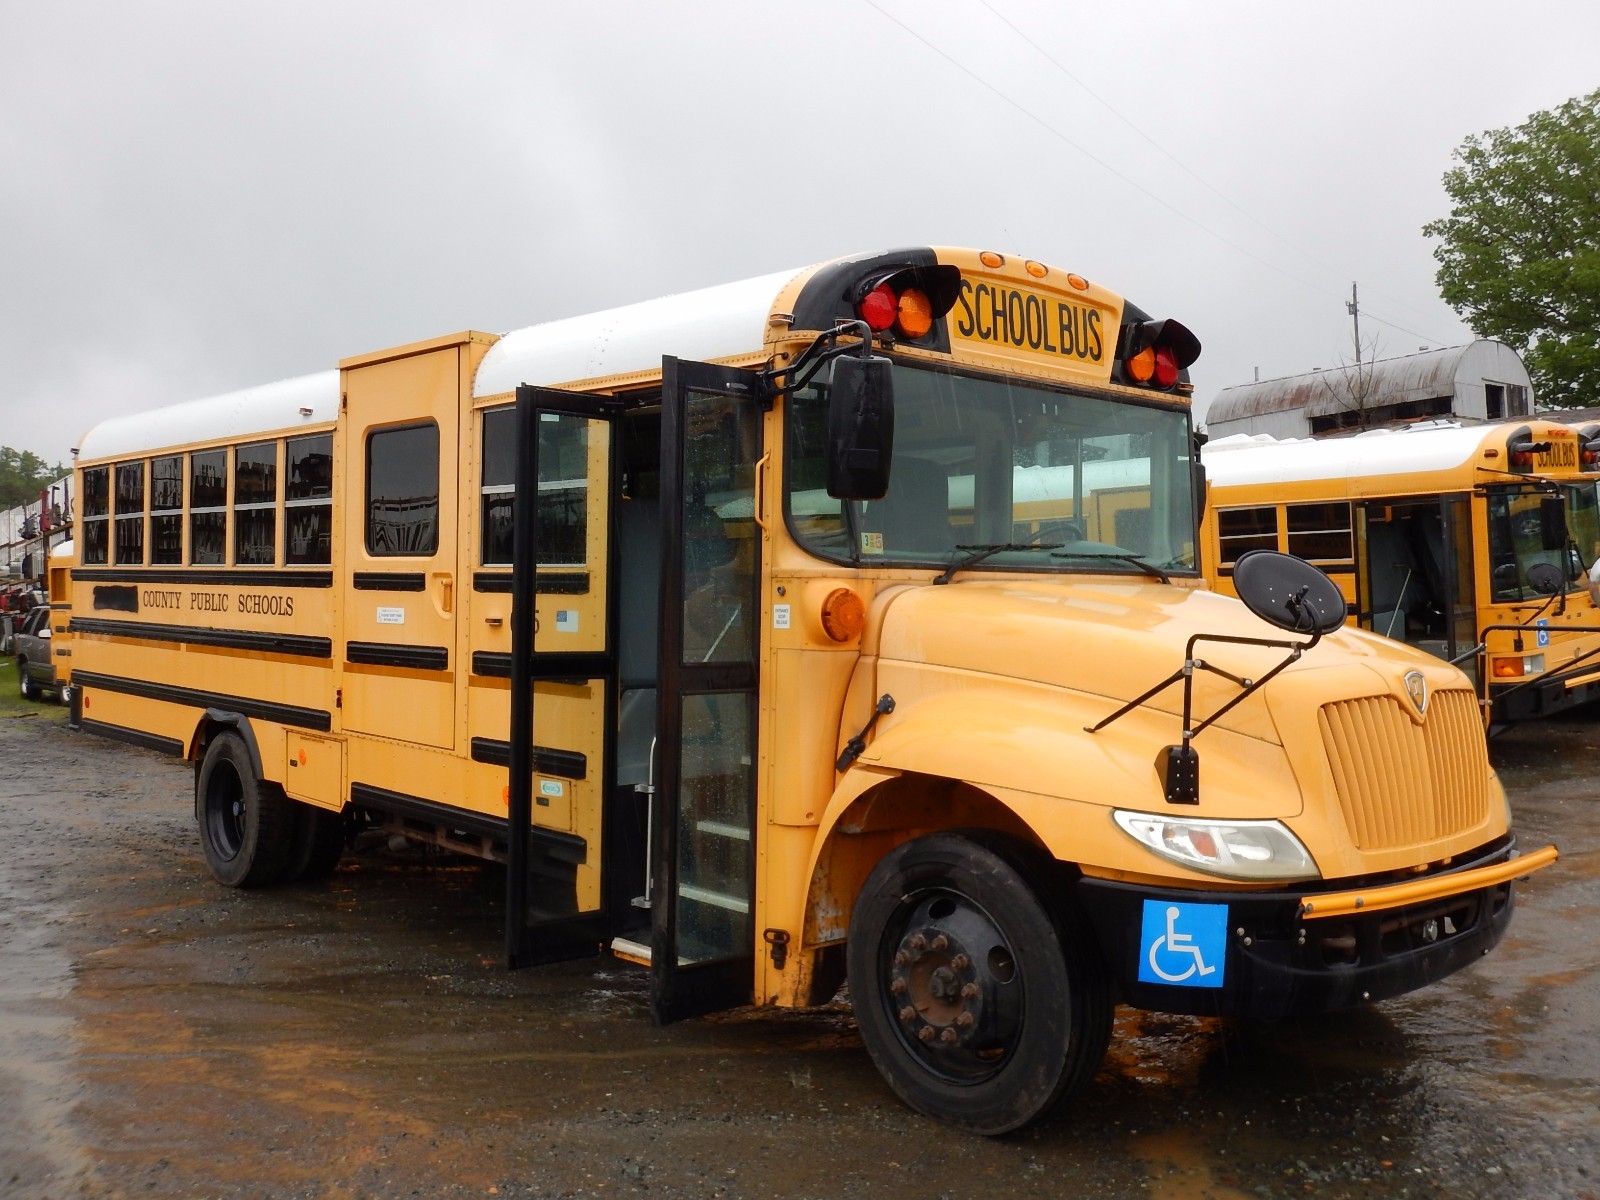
(1235, 849)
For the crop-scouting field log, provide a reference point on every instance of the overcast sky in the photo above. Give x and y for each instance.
(201, 196)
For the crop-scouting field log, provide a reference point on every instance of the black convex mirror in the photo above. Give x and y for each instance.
(1545, 578)
(860, 427)
(1288, 592)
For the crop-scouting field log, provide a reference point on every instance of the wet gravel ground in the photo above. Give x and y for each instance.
(162, 1036)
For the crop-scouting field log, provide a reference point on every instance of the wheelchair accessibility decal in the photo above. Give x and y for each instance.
(1183, 944)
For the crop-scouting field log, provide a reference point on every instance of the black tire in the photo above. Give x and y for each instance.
(980, 1004)
(25, 683)
(246, 823)
(319, 841)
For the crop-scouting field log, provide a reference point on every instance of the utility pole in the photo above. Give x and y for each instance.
(1353, 307)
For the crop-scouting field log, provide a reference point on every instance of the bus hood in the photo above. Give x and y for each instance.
(1109, 642)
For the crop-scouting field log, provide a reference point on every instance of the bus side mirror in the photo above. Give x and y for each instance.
(1553, 523)
(860, 427)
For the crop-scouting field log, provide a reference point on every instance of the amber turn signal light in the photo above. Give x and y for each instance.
(844, 615)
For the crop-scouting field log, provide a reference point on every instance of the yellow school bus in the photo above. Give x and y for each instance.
(842, 621)
(1472, 543)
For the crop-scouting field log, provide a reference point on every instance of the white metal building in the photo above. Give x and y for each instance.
(1480, 381)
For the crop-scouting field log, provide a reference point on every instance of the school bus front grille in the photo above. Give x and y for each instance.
(1400, 783)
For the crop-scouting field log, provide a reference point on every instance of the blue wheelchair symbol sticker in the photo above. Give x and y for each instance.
(1185, 945)
(1543, 625)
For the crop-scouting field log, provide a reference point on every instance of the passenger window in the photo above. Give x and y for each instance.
(403, 491)
(166, 510)
(1243, 529)
(96, 504)
(255, 505)
(130, 514)
(208, 508)
(308, 501)
(1319, 532)
(563, 488)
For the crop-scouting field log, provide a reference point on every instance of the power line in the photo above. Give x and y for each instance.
(1100, 162)
(1107, 167)
(1174, 159)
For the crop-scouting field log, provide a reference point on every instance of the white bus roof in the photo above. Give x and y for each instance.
(307, 400)
(1247, 459)
(716, 322)
(710, 324)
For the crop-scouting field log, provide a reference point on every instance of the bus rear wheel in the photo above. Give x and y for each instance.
(980, 1003)
(246, 823)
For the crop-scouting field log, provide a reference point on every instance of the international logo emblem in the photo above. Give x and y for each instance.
(1417, 689)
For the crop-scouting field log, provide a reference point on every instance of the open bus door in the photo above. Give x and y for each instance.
(564, 666)
(703, 859)
(1415, 567)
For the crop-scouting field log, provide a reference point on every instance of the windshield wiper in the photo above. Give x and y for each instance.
(1149, 568)
(979, 553)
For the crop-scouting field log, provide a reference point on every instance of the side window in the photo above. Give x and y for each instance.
(402, 494)
(1242, 529)
(130, 514)
(166, 510)
(255, 505)
(1319, 532)
(563, 488)
(208, 508)
(308, 500)
(498, 486)
(96, 514)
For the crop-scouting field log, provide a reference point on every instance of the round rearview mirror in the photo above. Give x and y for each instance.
(1288, 592)
(1545, 578)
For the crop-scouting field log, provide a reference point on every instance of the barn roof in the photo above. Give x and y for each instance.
(1419, 376)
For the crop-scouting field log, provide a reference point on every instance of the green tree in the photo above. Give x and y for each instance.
(23, 475)
(1519, 254)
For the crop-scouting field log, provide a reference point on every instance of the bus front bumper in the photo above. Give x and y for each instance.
(1269, 955)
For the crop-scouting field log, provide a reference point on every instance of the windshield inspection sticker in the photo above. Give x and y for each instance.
(1183, 944)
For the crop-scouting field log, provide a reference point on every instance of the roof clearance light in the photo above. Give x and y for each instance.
(1079, 282)
(1036, 269)
(914, 313)
(990, 259)
(878, 308)
(1142, 365)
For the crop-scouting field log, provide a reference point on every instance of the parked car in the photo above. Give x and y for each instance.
(36, 668)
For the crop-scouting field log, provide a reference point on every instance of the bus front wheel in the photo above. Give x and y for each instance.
(980, 1003)
(246, 823)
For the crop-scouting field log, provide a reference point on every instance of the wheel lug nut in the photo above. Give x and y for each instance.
(925, 1033)
(948, 1036)
(908, 1014)
(961, 962)
(965, 1020)
(919, 943)
(901, 958)
(969, 991)
(941, 942)
(897, 986)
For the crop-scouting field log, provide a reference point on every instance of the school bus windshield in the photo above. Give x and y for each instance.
(1524, 533)
(1040, 479)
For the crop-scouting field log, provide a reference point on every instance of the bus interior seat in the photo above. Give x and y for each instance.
(909, 517)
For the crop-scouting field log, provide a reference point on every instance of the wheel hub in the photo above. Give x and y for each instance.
(951, 981)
